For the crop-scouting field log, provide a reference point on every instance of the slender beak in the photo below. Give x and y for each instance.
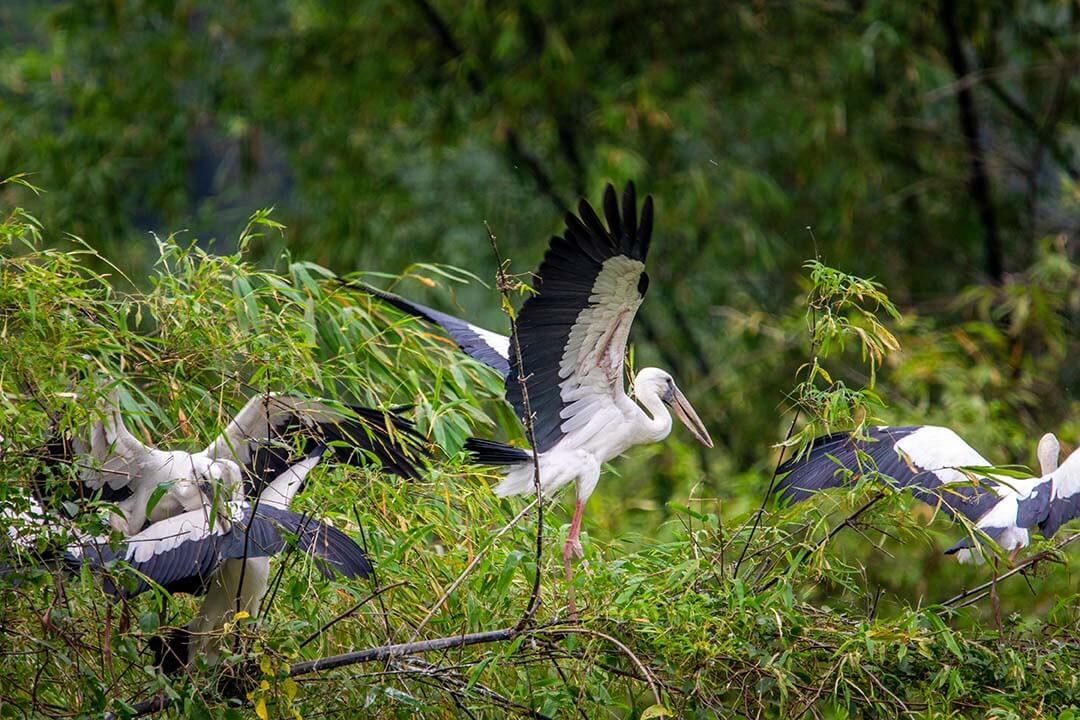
(685, 412)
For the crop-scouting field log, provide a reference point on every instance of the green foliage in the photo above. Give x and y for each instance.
(386, 134)
(827, 615)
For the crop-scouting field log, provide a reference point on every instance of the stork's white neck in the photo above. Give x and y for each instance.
(280, 492)
(657, 425)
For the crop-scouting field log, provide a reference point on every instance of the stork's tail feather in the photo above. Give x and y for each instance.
(491, 452)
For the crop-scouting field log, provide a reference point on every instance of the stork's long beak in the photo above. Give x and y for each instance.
(685, 412)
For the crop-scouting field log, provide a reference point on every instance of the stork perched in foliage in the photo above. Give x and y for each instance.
(225, 556)
(250, 475)
(572, 334)
(942, 470)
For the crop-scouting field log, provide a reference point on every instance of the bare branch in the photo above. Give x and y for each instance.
(951, 602)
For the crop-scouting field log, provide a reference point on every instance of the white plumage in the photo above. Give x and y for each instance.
(573, 334)
(939, 468)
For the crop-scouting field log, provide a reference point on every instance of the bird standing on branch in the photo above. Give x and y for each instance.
(573, 333)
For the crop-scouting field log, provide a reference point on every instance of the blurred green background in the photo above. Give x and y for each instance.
(933, 146)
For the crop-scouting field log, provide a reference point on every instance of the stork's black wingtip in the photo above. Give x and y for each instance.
(491, 452)
(964, 544)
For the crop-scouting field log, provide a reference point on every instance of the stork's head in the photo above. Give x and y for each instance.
(654, 382)
(221, 476)
(206, 478)
(1048, 453)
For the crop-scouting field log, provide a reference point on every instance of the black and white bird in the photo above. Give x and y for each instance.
(217, 515)
(224, 556)
(573, 333)
(942, 470)
(118, 468)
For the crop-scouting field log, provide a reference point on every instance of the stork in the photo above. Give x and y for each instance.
(227, 559)
(942, 470)
(252, 449)
(572, 334)
(187, 548)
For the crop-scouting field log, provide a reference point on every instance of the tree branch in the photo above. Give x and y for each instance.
(1042, 133)
(375, 654)
(951, 602)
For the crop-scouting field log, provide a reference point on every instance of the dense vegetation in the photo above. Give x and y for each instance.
(929, 146)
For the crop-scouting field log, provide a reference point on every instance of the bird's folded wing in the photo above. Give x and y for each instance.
(573, 331)
(179, 553)
(182, 552)
(929, 460)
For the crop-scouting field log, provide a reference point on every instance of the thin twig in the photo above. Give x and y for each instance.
(374, 573)
(619, 644)
(503, 285)
(951, 602)
(847, 522)
(368, 598)
(468, 569)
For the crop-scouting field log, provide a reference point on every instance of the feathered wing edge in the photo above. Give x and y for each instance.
(565, 288)
(189, 564)
(492, 452)
(484, 345)
(364, 436)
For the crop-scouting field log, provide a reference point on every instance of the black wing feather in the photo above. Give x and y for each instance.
(189, 566)
(391, 439)
(564, 285)
(492, 452)
(1060, 511)
(463, 333)
(834, 460)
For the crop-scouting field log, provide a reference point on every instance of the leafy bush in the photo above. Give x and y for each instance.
(830, 609)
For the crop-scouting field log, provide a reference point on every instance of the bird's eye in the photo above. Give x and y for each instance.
(669, 391)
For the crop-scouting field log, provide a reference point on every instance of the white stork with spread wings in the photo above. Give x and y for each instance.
(224, 555)
(942, 470)
(573, 334)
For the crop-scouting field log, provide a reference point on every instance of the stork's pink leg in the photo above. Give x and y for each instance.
(573, 547)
